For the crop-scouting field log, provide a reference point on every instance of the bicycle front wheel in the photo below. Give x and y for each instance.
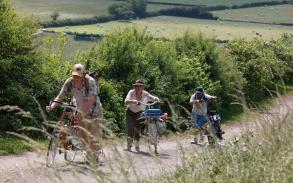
(52, 151)
(153, 135)
(69, 155)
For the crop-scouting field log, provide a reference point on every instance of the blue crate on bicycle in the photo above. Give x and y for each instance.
(154, 113)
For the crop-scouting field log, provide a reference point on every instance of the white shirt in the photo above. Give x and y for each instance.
(145, 98)
(200, 108)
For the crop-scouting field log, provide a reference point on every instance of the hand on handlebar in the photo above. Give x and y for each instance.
(157, 99)
(48, 108)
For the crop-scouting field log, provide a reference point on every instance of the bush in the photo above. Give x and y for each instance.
(121, 11)
(81, 21)
(193, 12)
(260, 67)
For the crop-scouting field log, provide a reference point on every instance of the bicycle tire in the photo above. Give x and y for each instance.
(153, 135)
(52, 151)
(70, 154)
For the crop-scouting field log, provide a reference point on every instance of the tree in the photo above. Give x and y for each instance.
(121, 11)
(55, 16)
(20, 67)
(128, 9)
(139, 7)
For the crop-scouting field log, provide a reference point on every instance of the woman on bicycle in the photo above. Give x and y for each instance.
(83, 88)
(133, 102)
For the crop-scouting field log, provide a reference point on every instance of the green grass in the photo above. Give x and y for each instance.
(172, 27)
(262, 154)
(42, 9)
(12, 145)
(71, 47)
(266, 14)
(210, 2)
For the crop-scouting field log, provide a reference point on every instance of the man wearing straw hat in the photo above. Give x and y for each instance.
(133, 102)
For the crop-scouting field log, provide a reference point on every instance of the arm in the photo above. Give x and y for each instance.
(128, 99)
(60, 96)
(152, 97)
(193, 100)
(210, 97)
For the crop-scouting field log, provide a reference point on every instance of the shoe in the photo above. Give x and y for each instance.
(128, 147)
(100, 162)
(136, 144)
(194, 141)
(219, 142)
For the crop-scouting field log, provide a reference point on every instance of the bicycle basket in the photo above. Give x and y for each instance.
(154, 113)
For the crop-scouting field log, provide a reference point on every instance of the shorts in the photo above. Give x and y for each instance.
(198, 121)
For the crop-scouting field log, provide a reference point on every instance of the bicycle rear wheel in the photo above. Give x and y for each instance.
(153, 135)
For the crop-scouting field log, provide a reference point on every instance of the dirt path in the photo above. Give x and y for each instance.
(121, 166)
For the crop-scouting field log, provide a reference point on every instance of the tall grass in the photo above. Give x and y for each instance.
(262, 154)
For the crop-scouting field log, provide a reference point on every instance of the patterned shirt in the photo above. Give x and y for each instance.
(81, 98)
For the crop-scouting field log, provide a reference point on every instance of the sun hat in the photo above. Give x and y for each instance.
(138, 83)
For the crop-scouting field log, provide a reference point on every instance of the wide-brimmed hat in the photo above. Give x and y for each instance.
(78, 70)
(138, 83)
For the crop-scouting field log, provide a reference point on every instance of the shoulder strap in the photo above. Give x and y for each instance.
(87, 84)
(69, 84)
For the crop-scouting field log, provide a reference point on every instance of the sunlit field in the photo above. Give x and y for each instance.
(210, 2)
(266, 14)
(42, 9)
(172, 27)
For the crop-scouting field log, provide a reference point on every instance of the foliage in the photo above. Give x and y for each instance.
(260, 67)
(20, 68)
(121, 11)
(128, 9)
(12, 145)
(193, 12)
(80, 21)
(259, 156)
(139, 7)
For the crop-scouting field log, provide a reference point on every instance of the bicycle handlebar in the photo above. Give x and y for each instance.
(151, 104)
(62, 103)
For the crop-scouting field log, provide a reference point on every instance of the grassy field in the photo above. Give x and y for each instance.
(42, 9)
(172, 27)
(267, 14)
(210, 2)
(71, 47)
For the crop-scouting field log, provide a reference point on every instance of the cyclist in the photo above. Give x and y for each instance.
(133, 102)
(83, 89)
(199, 113)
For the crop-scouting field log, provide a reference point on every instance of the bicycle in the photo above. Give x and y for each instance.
(217, 132)
(154, 122)
(64, 136)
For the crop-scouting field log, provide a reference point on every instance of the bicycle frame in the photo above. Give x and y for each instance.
(152, 117)
(64, 129)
